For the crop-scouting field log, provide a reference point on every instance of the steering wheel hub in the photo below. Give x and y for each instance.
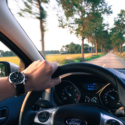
(74, 121)
(77, 111)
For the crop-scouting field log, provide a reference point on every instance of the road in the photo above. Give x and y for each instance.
(110, 60)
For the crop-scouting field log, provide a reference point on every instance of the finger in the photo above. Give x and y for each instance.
(38, 61)
(35, 63)
(56, 81)
(54, 65)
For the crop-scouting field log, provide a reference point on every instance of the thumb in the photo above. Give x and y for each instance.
(56, 81)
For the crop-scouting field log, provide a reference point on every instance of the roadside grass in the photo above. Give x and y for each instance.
(122, 55)
(11, 59)
(94, 57)
(79, 59)
(61, 59)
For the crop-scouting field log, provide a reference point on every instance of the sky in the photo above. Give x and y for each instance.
(55, 37)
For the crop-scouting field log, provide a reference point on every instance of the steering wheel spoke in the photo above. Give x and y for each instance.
(109, 120)
(45, 117)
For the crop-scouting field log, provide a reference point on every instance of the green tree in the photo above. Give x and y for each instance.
(7, 53)
(1, 52)
(64, 49)
(105, 40)
(117, 39)
(35, 9)
(118, 32)
(74, 48)
(76, 13)
(95, 26)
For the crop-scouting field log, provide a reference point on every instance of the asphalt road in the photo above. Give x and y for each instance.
(110, 60)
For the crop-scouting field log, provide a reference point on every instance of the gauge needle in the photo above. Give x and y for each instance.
(85, 100)
(68, 93)
(111, 96)
(94, 100)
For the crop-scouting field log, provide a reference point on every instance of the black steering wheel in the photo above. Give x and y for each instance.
(74, 114)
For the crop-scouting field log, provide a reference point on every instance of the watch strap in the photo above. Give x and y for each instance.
(20, 90)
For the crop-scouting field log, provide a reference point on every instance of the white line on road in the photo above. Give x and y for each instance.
(104, 65)
(107, 59)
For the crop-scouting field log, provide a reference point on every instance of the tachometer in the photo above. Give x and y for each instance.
(70, 94)
(110, 98)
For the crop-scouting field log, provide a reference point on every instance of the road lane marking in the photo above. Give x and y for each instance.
(107, 59)
(104, 65)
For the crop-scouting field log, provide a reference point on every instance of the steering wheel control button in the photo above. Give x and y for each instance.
(43, 116)
(112, 122)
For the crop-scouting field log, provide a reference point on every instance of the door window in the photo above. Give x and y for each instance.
(7, 55)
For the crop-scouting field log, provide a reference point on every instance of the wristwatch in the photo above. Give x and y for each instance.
(18, 79)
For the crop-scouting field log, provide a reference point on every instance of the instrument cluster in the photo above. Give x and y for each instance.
(90, 92)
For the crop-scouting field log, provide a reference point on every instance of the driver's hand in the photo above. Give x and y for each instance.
(39, 76)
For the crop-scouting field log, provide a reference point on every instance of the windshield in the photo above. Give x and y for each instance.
(72, 31)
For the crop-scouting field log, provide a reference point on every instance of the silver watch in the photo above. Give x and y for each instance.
(18, 79)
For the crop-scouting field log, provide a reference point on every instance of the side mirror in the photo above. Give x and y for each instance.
(6, 68)
(2, 70)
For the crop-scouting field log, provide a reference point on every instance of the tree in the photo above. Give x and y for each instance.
(117, 39)
(34, 9)
(6, 53)
(1, 52)
(74, 48)
(95, 26)
(76, 13)
(64, 49)
(52, 52)
(118, 32)
(105, 41)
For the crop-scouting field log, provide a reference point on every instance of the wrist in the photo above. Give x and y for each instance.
(28, 83)
(10, 87)
(7, 90)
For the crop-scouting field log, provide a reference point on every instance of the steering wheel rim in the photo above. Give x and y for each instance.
(26, 113)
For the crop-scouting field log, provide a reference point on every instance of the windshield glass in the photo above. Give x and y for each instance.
(71, 31)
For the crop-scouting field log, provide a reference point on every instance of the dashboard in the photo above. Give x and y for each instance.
(87, 89)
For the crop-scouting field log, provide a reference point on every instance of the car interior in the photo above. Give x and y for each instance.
(87, 95)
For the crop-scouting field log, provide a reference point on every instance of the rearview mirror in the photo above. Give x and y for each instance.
(6, 68)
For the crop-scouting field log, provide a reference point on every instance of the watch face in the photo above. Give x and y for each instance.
(17, 77)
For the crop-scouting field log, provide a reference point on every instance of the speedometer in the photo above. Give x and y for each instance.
(70, 94)
(110, 98)
(67, 92)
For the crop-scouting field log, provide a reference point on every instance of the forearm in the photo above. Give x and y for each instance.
(39, 77)
(6, 89)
